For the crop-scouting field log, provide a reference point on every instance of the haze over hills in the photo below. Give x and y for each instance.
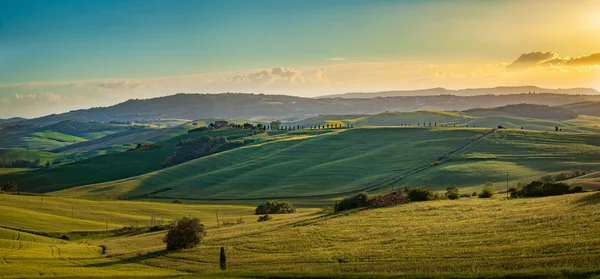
(267, 107)
(500, 90)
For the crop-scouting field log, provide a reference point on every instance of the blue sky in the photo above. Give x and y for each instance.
(70, 49)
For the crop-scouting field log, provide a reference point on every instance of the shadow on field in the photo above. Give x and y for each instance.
(589, 200)
(134, 259)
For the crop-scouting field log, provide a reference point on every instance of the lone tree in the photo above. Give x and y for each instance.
(223, 259)
(186, 233)
(10, 187)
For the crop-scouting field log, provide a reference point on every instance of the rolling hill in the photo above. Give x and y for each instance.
(334, 163)
(268, 107)
(549, 237)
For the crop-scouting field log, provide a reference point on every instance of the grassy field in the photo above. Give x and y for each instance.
(12, 154)
(523, 155)
(32, 213)
(303, 165)
(98, 169)
(552, 237)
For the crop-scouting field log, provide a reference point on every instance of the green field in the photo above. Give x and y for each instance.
(552, 237)
(98, 169)
(306, 164)
(12, 154)
(523, 155)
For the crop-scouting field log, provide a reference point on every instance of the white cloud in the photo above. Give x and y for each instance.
(545, 69)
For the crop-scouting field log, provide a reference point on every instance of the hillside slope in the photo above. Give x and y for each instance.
(321, 164)
(523, 155)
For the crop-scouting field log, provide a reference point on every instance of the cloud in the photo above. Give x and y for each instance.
(123, 84)
(275, 76)
(337, 59)
(550, 60)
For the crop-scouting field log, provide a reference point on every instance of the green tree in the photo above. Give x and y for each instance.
(452, 192)
(223, 259)
(186, 233)
(487, 191)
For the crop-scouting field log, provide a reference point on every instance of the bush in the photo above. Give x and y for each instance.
(264, 218)
(421, 194)
(10, 187)
(354, 201)
(544, 188)
(577, 188)
(474, 194)
(452, 192)
(177, 201)
(487, 191)
(274, 207)
(186, 233)
(386, 200)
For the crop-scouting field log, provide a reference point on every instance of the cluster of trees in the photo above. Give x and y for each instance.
(22, 163)
(185, 233)
(274, 207)
(332, 126)
(362, 199)
(544, 188)
(198, 147)
(563, 176)
(416, 194)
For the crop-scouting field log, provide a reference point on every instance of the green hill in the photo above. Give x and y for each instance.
(481, 118)
(523, 155)
(586, 108)
(12, 154)
(305, 165)
(375, 159)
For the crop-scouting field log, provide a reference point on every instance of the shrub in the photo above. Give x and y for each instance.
(177, 201)
(10, 187)
(264, 218)
(354, 201)
(434, 163)
(275, 207)
(487, 191)
(474, 194)
(452, 192)
(544, 188)
(421, 194)
(386, 200)
(577, 188)
(186, 233)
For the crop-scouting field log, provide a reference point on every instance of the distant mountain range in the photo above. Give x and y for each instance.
(290, 108)
(500, 90)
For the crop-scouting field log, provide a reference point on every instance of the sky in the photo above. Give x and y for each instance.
(61, 55)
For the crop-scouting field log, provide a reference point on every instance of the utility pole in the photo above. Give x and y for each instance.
(216, 213)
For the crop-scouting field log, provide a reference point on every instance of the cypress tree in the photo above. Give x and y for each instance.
(223, 259)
